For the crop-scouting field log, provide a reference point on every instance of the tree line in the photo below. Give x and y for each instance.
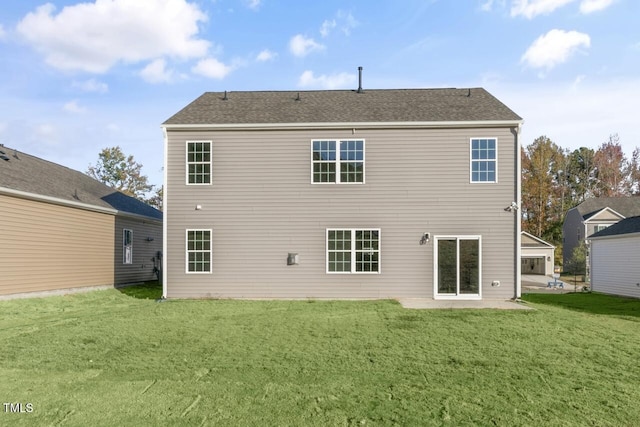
(555, 180)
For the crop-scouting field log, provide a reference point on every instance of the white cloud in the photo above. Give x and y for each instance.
(327, 26)
(156, 72)
(346, 22)
(554, 48)
(93, 37)
(73, 107)
(532, 8)
(91, 85)
(342, 20)
(45, 130)
(3, 33)
(266, 55)
(334, 81)
(212, 68)
(253, 4)
(590, 6)
(301, 46)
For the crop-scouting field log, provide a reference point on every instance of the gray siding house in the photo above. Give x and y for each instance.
(343, 194)
(592, 216)
(615, 259)
(62, 229)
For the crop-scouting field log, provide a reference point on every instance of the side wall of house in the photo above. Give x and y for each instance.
(262, 205)
(144, 251)
(47, 247)
(572, 234)
(615, 266)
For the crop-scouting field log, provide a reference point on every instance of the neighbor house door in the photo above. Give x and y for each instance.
(458, 267)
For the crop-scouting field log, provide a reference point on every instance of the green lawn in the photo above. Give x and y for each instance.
(108, 358)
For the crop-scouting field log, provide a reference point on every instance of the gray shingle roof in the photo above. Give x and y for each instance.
(344, 106)
(626, 226)
(31, 174)
(627, 206)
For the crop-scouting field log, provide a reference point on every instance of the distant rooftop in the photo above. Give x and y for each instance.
(23, 172)
(627, 206)
(626, 226)
(344, 106)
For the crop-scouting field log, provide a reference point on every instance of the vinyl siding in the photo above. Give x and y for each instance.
(46, 247)
(615, 266)
(573, 234)
(143, 250)
(262, 205)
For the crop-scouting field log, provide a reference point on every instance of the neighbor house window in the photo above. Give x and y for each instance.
(484, 160)
(127, 246)
(198, 251)
(353, 251)
(337, 161)
(198, 162)
(601, 227)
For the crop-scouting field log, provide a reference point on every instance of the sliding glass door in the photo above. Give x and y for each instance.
(458, 266)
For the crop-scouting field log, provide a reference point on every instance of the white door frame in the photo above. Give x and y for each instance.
(458, 296)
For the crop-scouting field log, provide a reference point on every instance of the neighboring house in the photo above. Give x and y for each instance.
(537, 256)
(591, 216)
(343, 194)
(62, 229)
(615, 259)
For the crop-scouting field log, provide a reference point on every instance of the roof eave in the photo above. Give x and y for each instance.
(615, 236)
(56, 201)
(346, 125)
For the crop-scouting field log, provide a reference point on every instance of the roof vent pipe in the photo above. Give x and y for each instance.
(225, 96)
(360, 80)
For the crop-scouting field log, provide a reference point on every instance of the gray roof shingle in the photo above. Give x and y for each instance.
(344, 106)
(627, 206)
(30, 174)
(626, 226)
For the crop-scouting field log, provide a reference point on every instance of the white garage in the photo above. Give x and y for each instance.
(536, 255)
(615, 259)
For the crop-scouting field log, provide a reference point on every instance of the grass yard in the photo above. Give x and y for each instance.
(107, 358)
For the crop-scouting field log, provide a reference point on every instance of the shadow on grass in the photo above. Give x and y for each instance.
(148, 290)
(593, 303)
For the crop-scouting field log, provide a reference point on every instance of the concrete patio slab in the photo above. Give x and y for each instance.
(428, 303)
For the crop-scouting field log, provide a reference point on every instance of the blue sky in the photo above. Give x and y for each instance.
(78, 77)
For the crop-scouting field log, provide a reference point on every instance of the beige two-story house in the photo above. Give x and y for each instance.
(343, 194)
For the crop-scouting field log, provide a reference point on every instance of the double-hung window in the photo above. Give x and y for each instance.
(353, 251)
(484, 160)
(198, 251)
(127, 246)
(337, 161)
(198, 162)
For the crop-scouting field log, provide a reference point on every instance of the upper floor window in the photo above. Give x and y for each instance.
(353, 251)
(337, 161)
(198, 162)
(600, 227)
(484, 160)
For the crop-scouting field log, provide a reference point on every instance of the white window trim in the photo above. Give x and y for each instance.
(186, 162)
(337, 161)
(353, 250)
(186, 251)
(124, 246)
(437, 295)
(471, 160)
